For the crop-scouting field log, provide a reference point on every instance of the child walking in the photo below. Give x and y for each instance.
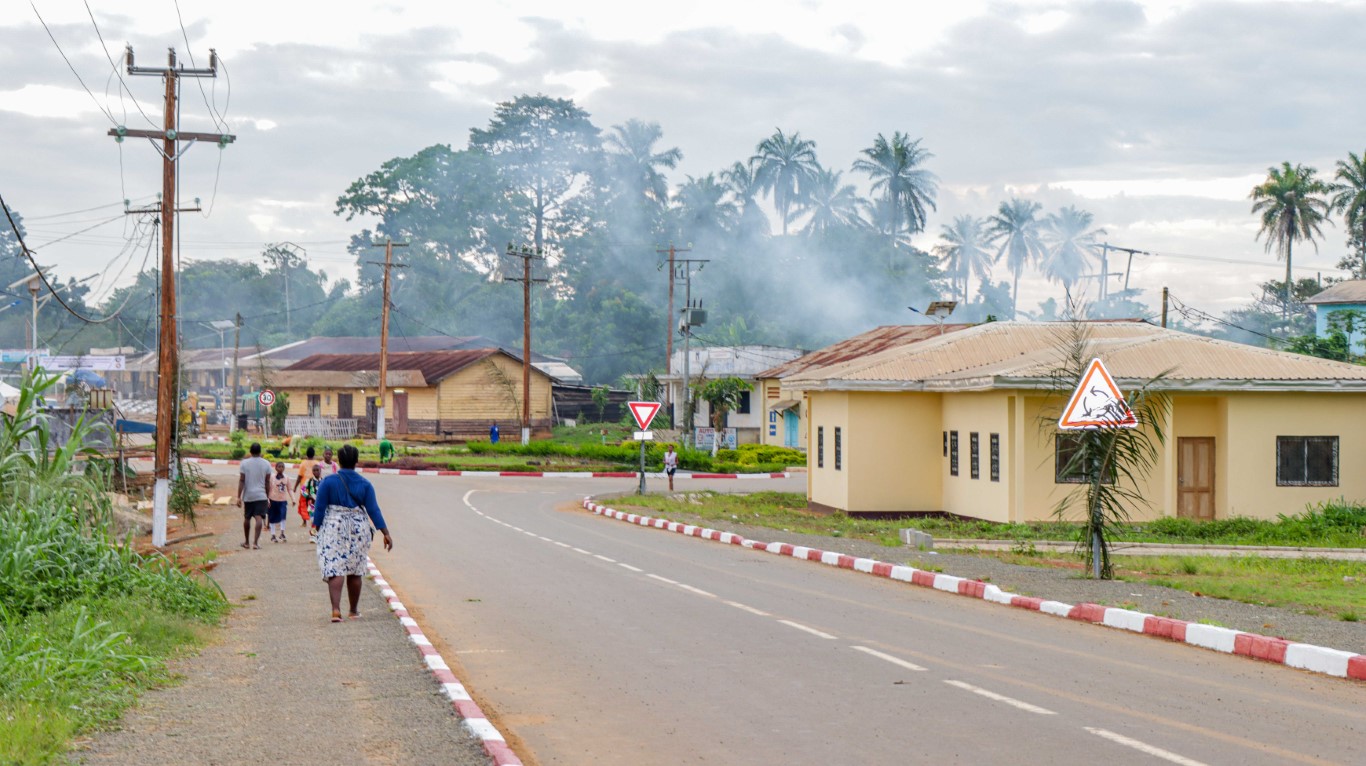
(279, 503)
(309, 493)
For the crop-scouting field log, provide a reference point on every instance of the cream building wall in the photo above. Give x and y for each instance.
(890, 452)
(825, 486)
(983, 414)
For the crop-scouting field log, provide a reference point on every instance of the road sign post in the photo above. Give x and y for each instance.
(643, 413)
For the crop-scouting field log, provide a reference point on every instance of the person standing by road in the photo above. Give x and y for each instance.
(343, 513)
(279, 503)
(670, 465)
(253, 495)
(330, 466)
(493, 433)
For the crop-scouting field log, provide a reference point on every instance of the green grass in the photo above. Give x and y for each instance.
(1339, 525)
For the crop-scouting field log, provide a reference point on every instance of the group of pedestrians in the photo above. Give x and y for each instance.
(336, 503)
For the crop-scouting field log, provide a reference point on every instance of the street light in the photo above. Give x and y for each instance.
(222, 326)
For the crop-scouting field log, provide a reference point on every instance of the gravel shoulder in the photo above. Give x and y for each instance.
(283, 685)
(1069, 586)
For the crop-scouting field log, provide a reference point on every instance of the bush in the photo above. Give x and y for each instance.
(237, 452)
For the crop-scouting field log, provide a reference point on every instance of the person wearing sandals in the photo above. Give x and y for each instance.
(343, 513)
(253, 495)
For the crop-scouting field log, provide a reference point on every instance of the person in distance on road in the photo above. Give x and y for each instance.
(671, 465)
(253, 494)
(493, 433)
(342, 513)
(279, 503)
(305, 473)
(330, 466)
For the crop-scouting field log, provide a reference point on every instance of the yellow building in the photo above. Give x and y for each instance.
(456, 394)
(965, 424)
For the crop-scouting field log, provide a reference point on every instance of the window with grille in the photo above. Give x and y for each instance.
(974, 456)
(839, 449)
(1067, 467)
(953, 453)
(995, 457)
(820, 446)
(1306, 461)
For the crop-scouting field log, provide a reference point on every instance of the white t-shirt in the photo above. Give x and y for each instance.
(670, 459)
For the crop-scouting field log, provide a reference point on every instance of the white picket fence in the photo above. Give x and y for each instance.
(327, 428)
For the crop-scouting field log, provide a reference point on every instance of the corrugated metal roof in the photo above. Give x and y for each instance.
(345, 379)
(361, 344)
(1350, 291)
(1010, 354)
(434, 365)
(874, 341)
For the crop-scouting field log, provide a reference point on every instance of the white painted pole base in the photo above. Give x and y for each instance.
(379, 422)
(526, 435)
(161, 494)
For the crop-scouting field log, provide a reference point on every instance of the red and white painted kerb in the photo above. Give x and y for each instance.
(475, 721)
(1318, 659)
(525, 474)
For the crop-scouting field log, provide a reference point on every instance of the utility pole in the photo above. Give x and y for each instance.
(167, 351)
(690, 316)
(1164, 307)
(236, 351)
(389, 266)
(1105, 247)
(527, 254)
(669, 318)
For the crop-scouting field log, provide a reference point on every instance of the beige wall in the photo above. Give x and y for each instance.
(984, 414)
(825, 485)
(478, 393)
(421, 401)
(892, 452)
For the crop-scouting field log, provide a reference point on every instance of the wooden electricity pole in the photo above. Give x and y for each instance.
(167, 350)
(669, 318)
(527, 255)
(389, 265)
(236, 352)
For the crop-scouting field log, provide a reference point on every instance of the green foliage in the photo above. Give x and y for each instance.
(721, 395)
(600, 399)
(279, 410)
(185, 492)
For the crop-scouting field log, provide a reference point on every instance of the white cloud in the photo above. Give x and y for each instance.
(580, 83)
(1232, 188)
(48, 101)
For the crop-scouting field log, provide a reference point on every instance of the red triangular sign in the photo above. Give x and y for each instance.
(1097, 403)
(643, 412)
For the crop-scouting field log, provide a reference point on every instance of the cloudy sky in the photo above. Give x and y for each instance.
(1158, 116)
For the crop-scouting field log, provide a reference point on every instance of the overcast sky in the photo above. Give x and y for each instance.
(1156, 116)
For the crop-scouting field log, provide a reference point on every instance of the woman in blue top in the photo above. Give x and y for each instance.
(342, 514)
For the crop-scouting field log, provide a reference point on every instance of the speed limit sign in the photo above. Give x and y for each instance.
(267, 397)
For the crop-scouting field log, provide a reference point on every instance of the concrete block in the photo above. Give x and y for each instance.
(917, 539)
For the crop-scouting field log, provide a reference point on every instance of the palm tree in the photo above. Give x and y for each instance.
(964, 251)
(631, 151)
(784, 166)
(741, 180)
(832, 204)
(1070, 243)
(895, 169)
(1291, 205)
(701, 206)
(1349, 198)
(1016, 227)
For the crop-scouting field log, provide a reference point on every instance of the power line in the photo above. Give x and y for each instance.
(38, 270)
(72, 67)
(103, 222)
(115, 67)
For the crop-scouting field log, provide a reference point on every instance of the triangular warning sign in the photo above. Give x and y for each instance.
(643, 412)
(1097, 403)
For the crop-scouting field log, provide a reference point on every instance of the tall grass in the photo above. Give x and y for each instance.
(84, 622)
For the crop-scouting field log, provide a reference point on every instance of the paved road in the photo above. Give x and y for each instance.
(599, 642)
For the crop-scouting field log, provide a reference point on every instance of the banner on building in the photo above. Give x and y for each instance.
(704, 437)
(105, 363)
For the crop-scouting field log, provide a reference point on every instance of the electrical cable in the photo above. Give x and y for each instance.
(220, 125)
(37, 270)
(115, 67)
(103, 108)
(102, 222)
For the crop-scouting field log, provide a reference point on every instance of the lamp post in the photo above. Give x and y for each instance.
(222, 326)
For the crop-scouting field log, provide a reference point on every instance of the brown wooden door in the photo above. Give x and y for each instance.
(1195, 477)
(344, 406)
(401, 412)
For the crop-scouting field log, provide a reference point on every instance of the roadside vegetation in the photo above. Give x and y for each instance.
(85, 623)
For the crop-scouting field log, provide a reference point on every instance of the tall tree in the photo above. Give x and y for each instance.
(1291, 205)
(637, 166)
(895, 168)
(1070, 243)
(742, 181)
(964, 251)
(701, 208)
(1015, 227)
(1349, 198)
(784, 167)
(831, 203)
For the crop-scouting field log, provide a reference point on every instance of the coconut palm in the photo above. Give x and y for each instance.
(1349, 198)
(1292, 207)
(741, 180)
(1070, 242)
(1015, 227)
(909, 189)
(637, 165)
(701, 207)
(831, 204)
(964, 251)
(784, 166)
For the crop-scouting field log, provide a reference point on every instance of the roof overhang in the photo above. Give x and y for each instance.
(990, 383)
(784, 404)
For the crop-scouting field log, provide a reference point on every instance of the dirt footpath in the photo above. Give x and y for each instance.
(283, 685)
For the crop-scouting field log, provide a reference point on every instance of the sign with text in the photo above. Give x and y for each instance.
(703, 438)
(643, 412)
(99, 363)
(1097, 403)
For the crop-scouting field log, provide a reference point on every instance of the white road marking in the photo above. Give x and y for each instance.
(562, 545)
(519, 529)
(1143, 747)
(1001, 698)
(628, 566)
(584, 552)
(698, 591)
(480, 651)
(547, 539)
(744, 608)
(466, 498)
(663, 579)
(604, 558)
(887, 657)
(812, 631)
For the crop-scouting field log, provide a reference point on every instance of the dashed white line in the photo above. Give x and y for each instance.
(562, 545)
(604, 558)
(662, 579)
(519, 529)
(698, 591)
(806, 628)
(744, 608)
(887, 657)
(1000, 698)
(584, 552)
(1144, 747)
(628, 566)
(547, 539)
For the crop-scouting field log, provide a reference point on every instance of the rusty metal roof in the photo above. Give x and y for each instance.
(866, 344)
(1349, 291)
(433, 365)
(1027, 355)
(345, 379)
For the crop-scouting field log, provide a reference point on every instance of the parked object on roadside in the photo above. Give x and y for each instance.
(343, 512)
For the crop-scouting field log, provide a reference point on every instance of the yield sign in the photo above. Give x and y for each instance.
(643, 412)
(1097, 403)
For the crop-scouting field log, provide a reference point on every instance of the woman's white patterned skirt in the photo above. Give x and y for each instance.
(344, 541)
